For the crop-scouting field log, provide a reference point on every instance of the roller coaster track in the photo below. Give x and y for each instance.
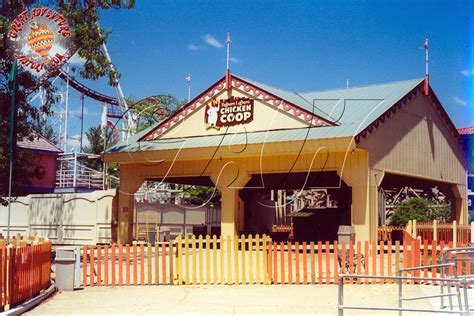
(87, 91)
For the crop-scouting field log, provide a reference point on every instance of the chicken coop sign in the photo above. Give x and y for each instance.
(228, 112)
(40, 40)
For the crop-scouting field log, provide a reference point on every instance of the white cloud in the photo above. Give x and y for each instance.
(459, 101)
(467, 72)
(73, 142)
(211, 40)
(76, 60)
(235, 60)
(195, 47)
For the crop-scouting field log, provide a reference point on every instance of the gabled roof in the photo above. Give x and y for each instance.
(364, 109)
(39, 143)
(277, 98)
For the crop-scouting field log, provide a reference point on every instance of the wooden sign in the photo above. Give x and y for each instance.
(228, 112)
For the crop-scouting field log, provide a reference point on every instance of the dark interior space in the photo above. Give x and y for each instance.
(310, 223)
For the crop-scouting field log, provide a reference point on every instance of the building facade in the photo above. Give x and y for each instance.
(265, 148)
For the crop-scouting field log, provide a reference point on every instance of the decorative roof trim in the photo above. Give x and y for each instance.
(400, 104)
(237, 83)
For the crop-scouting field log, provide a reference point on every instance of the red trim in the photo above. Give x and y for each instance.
(233, 81)
(466, 130)
(401, 103)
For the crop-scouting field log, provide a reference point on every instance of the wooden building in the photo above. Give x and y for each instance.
(248, 138)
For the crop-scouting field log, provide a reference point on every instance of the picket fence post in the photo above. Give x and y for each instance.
(455, 232)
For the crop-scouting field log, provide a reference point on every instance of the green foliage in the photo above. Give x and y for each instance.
(199, 195)
(95, 136)
(40, 126)
(152, 110)
(419, 209)
(83, 18)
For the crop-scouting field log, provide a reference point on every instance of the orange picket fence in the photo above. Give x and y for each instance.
(256, 260)
(25, 270)
(444, 232)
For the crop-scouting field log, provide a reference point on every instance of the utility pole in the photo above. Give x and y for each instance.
(82, 121)
(12, 78)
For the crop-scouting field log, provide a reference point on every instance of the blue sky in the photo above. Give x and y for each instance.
(293, 45)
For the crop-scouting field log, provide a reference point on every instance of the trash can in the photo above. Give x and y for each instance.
(346, 234)
(164, 233)
(65, 264)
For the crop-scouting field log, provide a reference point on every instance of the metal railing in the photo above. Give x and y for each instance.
(445, 282)
(71, 173)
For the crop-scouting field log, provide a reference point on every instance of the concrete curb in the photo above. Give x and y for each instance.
(26, 306)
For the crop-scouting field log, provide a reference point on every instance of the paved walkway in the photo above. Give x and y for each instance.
(230, 300)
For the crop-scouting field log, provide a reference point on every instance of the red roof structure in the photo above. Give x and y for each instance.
(466, 130)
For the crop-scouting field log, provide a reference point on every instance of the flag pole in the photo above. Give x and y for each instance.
(188, 79)
(12, 77)
(427, 78)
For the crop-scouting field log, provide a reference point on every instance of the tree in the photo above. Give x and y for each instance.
(419, 209)
(83, 17)
(199, 195)
(95, 136)
(152, 110)
(40, 126)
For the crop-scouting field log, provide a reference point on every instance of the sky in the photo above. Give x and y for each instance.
(293, 45)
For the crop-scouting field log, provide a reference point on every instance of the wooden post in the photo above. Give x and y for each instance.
(250, 243)
(208, 260)
(229, 261)
(257, 263)
(201, 260)
(214, 259)
(472, 232)
(221, 255)
(193, 247)
(242, 246)
(265, 260)
(435, 230)
(149, 264)
(186, 259)
(236, 259)
(413, 229)
(455, 232)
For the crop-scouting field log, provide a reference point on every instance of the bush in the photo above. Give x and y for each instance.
(419, 209)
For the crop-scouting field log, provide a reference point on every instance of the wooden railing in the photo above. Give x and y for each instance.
(447, 232)
(387, 233)
(25, 270)
(253, 260)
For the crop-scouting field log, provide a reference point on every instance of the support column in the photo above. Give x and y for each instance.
(364, 185)
(229, 211)
(229, 178)
(129, 184)
(461, 214)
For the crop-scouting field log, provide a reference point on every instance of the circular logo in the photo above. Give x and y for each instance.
(41, 40)
(40, 172)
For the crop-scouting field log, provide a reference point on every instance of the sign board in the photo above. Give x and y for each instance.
(41, 41)
(228, 112)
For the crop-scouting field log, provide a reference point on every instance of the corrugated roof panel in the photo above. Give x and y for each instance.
(363, 105)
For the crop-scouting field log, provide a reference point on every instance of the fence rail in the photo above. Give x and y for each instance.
(25, 270)
(257, 260)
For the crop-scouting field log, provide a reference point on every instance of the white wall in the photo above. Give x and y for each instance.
(70, 219)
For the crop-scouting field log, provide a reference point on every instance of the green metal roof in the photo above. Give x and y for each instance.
(352, 109)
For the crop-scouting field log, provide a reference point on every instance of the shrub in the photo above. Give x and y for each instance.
(419, 209)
